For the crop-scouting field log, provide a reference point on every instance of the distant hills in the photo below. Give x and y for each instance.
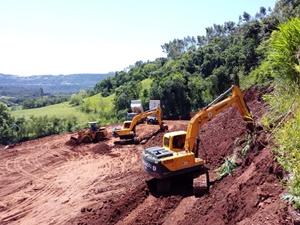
(54, 84)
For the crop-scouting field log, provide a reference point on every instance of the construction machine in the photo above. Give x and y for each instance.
(178, 156)
(127, 131)
(94, 133)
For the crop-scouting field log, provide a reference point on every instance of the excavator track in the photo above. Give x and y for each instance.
(124, 142)
(201, 184)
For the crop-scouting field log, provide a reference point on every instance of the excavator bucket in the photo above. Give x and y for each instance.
(74, 140)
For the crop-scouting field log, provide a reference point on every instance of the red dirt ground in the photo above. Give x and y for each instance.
(52, 181)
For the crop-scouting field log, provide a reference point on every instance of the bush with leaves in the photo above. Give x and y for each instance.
(285, 52)
(6, 125)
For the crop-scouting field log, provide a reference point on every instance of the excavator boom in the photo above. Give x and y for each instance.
(213, 109)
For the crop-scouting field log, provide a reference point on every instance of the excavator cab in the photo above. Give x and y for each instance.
(174, 141)
(126, 124)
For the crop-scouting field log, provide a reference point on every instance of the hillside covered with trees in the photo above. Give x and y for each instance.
(197, 69)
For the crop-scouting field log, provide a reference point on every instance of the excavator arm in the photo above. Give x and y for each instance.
(213, 109)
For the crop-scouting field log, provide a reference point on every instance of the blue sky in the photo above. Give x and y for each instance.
(40, 37)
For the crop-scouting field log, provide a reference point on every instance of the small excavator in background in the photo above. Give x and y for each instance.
(95, 133)
(178, 157)
(127, 131)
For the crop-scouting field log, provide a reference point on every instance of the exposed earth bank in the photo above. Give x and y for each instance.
(52, 181)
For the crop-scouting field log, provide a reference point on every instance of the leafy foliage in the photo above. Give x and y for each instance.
(6, 122)
(227, 167)
(283, 118)
(230, 162)
(285, 52)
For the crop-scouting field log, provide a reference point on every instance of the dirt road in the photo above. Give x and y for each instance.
(52, 181)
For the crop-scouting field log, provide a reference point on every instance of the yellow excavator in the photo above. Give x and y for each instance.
(127, 131)
(179, 154)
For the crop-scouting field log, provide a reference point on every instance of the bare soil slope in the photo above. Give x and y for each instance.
(52, 181)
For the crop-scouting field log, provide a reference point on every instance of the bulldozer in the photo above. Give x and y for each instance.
(95, 133)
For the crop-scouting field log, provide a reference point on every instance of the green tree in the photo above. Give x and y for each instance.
(174, 49)
(6, 125)
(174, 97)
(76, 99)
(124, 95)
(246, 16)
(195, 87)
(286, 9)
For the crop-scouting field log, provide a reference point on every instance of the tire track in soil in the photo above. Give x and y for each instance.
(47, 184)
(161, 209)
(18, 165)
(179, 212)
(95, 177)
(131, 217)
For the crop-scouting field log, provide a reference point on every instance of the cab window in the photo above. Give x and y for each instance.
(166, 142)
(178, 141)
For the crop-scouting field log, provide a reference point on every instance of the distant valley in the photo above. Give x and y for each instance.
(53, 84)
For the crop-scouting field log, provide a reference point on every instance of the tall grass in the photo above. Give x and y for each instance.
(284, 124)
(285, 52)
(283, 118)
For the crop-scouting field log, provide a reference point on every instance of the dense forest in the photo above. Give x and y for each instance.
(262, 49)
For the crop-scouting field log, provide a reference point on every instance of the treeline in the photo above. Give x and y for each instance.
(74, 99)
(17, 130)
(16, 95)
(198, 69)
(31, 103)
(30, 98)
